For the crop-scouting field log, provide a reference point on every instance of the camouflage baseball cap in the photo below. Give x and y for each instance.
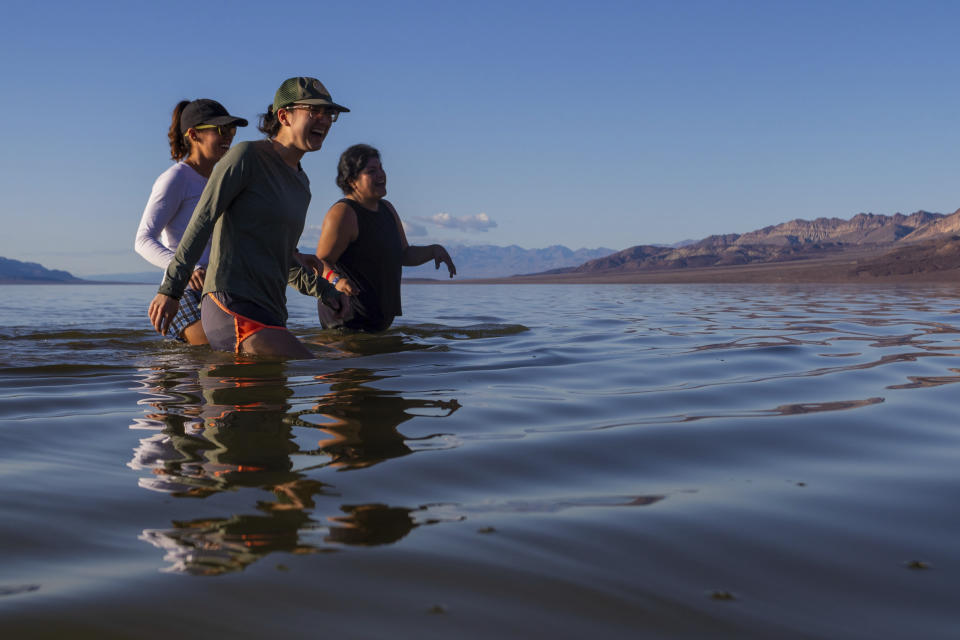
(303, 90)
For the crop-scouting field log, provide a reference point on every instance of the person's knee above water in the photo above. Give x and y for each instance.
(200, 134)
(253, 211)
(363, 246)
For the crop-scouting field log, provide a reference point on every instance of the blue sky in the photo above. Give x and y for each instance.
(585, 124)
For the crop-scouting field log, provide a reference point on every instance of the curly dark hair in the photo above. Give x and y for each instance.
(269, 123)
(352, 162)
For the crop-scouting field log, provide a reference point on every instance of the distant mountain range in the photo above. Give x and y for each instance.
(490, 261)
(140, 277)
(16, 272)
(789, 241)
(878, 245)
(482, 261)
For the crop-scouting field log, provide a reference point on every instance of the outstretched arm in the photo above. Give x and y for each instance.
(415, 255)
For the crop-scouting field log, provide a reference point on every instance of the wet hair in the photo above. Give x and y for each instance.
(179, 144)
(352, 163)
(269, 123)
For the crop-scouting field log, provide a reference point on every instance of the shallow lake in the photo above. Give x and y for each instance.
(519, 461)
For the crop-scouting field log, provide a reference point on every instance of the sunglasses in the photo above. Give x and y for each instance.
(222, 130)
(316, 111)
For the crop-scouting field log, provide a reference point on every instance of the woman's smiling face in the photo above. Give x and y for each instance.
(212, 143)
(371, 184)
(306, 126)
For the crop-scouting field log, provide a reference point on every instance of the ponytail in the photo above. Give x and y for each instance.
(269, 123)
(179, 145)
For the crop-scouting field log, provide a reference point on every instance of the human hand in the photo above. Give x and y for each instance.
(440, 255)
(196, 280)
(162, 310)
(309, 261)
(346, 287)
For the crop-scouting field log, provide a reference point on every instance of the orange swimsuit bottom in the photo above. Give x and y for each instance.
(228, 321)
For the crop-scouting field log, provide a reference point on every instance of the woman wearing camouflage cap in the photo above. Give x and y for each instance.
(254, 208)
(200, 134)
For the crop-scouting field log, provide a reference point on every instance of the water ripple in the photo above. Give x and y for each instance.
(742, 461)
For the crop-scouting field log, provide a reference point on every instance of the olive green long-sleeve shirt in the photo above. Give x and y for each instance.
(254, 206)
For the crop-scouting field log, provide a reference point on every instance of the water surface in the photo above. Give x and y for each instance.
(623, 461)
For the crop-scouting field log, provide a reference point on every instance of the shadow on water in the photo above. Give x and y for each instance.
(233, 428)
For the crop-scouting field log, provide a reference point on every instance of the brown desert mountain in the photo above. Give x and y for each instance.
(919, 246)
(947, 225)
(863, 228)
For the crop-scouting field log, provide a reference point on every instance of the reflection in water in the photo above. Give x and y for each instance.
(362, 421)
(928, 381)
(371, 524)
(230, 427)
(273, 439)
(238, 437)
(219, 545)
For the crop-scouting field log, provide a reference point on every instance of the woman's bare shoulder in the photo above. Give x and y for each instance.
(341, 217)
(340, 209)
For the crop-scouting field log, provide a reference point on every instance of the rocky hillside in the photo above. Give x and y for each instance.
(17, 272)
(863, 228)
(946, 225)
(795, 240)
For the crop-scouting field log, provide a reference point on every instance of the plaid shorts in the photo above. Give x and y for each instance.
(188, 313)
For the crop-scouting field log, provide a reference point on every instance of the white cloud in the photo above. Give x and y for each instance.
(480, 222)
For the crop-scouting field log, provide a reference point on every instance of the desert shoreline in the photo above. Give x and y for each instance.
(831, 270)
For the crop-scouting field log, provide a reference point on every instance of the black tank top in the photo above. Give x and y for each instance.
(373, 264)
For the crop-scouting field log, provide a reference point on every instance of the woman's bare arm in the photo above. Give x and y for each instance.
(415, 255)
(338, 231)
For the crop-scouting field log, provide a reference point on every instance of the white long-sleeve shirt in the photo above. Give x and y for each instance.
(174, 196)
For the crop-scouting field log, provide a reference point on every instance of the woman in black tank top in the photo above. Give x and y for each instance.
(363, 246)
